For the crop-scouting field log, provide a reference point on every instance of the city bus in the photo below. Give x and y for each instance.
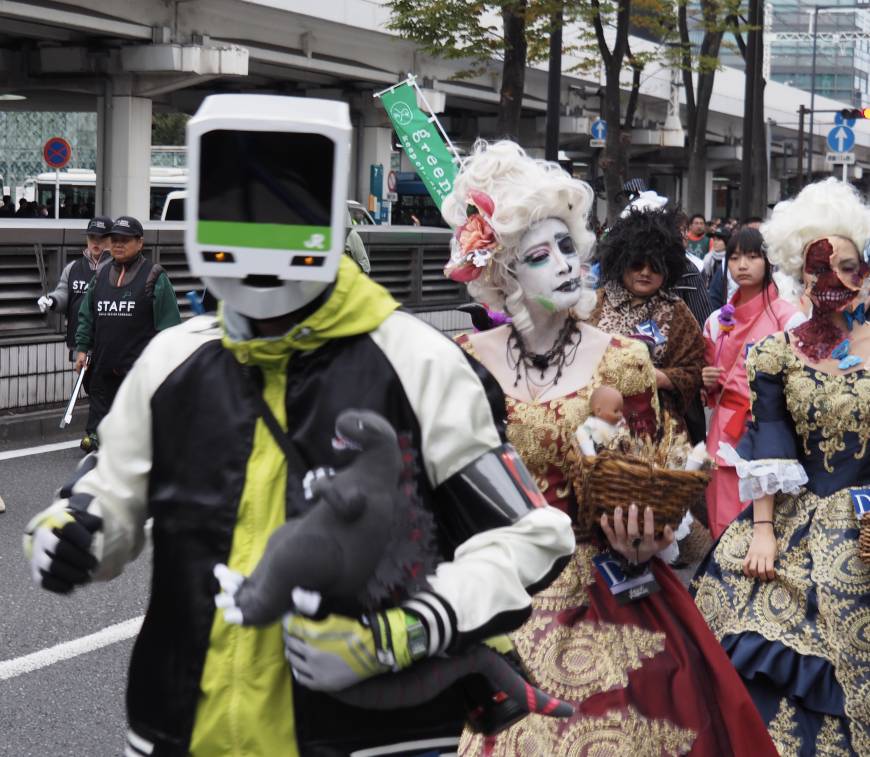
(78, 190)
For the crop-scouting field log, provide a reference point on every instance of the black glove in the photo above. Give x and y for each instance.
(58, 542)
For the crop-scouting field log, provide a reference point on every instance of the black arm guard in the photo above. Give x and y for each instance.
(493, 491)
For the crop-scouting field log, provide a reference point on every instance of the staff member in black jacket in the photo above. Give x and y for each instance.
(127, 304)
(67, 296)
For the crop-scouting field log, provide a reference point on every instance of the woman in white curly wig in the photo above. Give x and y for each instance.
(521, 245)
(787, 589)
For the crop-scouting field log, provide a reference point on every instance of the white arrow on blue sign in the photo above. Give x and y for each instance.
(841, 138)
(599, 128)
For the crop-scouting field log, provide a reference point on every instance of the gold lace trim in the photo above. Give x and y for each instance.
(614, 734)
(818, 550)
(817, 401)
(577, 661)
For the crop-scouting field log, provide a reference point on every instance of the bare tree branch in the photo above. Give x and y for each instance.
(634, 94)
(686, 64)
(623, 20)
(738, 37)
(599, 33)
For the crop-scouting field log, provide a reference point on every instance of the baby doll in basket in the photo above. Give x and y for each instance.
(605, 422)
(606, 429)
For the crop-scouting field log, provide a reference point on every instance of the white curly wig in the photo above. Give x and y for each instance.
(826, 208)
(524, 192)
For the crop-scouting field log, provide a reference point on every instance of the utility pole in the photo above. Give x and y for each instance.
(750, 101)
(800, 147)
(554, 87)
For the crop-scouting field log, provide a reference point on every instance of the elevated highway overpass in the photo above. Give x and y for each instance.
(126, 58)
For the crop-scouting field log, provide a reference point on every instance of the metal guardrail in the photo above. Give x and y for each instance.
(34, 364)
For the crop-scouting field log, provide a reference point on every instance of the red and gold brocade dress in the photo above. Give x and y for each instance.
(645, 679)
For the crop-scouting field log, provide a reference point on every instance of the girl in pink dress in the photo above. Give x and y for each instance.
(754, 312)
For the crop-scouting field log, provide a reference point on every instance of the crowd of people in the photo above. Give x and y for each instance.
(782, 589)
(33, 209)
(685, 326)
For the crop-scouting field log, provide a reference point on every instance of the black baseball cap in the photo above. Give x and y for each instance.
(723, 234)
(127, 226)
(99, 226)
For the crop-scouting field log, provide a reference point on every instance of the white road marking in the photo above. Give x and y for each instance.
(69, 649)
(13, 453)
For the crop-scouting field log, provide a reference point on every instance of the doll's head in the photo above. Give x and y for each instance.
(605, 403)
(522, 238)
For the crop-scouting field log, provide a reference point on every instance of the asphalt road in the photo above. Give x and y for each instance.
(73, 706)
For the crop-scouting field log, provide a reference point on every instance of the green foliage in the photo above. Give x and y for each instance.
(168, 128)
(472, 29)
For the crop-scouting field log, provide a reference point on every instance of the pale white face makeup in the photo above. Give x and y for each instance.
(548, 267)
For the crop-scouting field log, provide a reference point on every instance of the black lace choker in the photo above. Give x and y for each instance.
(561, 354)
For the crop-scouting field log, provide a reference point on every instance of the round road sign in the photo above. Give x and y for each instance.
(57, 152)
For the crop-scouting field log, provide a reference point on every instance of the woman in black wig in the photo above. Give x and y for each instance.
(642, 259)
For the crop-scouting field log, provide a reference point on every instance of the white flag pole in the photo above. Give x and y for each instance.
(411, 78)
(434, 119)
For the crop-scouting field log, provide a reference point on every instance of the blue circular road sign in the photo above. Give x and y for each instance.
(57, 152)
(841, 139)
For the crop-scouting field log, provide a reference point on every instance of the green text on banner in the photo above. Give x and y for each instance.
(421, 141)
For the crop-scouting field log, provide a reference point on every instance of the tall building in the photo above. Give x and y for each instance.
(842, 60)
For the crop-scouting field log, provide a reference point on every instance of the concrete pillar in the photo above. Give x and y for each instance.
(124, 156)
(375, 140)
(375, 147)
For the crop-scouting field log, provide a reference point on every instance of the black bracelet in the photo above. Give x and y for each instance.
(760, 522)
(631, 569)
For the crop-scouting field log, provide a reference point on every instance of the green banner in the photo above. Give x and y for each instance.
(421, 141)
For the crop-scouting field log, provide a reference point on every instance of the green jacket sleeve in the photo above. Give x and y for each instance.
(85, 328)
(166, 311)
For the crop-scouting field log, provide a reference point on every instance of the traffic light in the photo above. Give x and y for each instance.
(851, 114)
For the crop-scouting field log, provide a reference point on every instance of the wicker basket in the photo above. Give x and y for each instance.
(610, 479)
(864, 538)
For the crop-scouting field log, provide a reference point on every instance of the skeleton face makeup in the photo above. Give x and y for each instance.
(548, 267)
(833, 274)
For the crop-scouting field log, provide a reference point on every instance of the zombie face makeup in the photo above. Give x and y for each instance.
(833, 277)
(833, 274)
(548, 267)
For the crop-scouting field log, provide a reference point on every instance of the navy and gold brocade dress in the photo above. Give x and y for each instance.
(646, 679)
(802, 641)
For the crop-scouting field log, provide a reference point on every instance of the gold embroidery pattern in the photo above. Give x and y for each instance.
(783, 730)
(533, 736)
(615, 734)
(824, 407)
(627, 734)
(569, 589)
(831, 740)
(570, 662)
(817, 605)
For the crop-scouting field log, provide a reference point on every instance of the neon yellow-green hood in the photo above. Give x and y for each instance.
(356, 305)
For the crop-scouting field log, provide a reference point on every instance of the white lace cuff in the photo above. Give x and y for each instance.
(760, 477)
(670, 553)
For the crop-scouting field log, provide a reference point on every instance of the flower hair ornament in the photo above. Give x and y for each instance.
(475, 242)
